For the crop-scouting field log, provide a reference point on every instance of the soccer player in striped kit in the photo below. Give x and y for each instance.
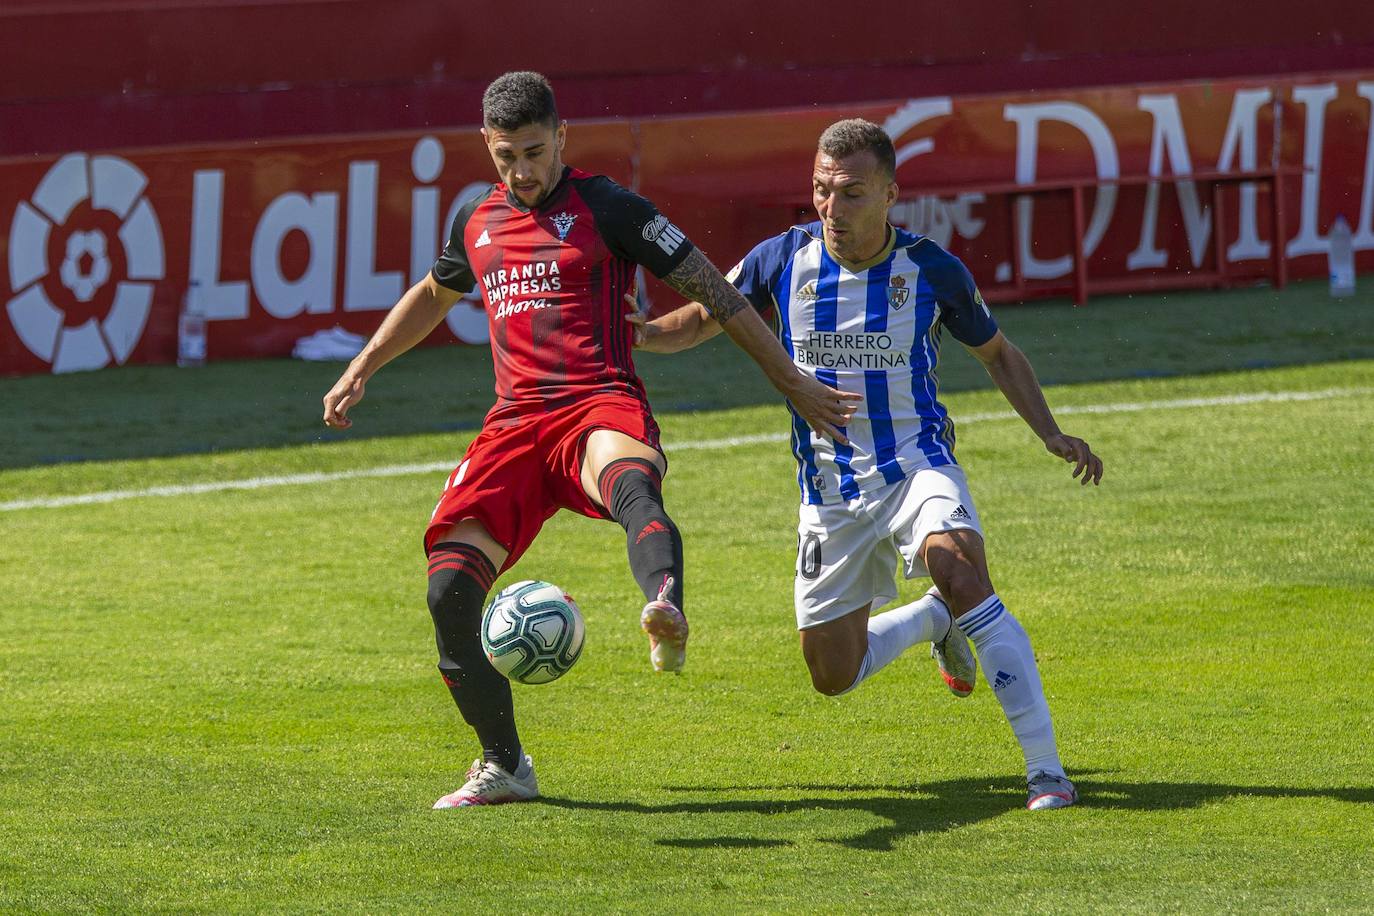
(861, 305)
(554, 250)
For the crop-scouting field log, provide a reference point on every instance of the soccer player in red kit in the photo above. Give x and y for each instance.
(554, 250)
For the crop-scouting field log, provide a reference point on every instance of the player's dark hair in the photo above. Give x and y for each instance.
(516, 99)
(854, 135)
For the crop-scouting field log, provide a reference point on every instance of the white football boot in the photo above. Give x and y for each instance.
(489, 784)
(667, 629)
(958, 665)
(1046, 791)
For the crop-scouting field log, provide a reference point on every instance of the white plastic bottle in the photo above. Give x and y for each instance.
(1341, 259)
(191, 329)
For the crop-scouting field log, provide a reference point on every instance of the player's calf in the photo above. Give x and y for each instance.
(843, 653)
(1010, 668)
(460, 576)
(631, 490)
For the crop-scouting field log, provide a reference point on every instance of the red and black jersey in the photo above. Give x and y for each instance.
(554, 280)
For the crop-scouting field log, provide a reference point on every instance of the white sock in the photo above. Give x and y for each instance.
(892, 633)
(1004, 650)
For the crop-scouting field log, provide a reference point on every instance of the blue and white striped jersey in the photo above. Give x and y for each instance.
(875, 331)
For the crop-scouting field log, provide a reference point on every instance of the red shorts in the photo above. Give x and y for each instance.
(525, 465)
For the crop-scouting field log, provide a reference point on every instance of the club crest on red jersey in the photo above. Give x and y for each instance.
(563, 223)
(897, 292)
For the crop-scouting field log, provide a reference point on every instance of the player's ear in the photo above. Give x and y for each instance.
(562, 134)
(893, 192)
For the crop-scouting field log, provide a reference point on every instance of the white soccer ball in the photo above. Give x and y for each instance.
(532, 632)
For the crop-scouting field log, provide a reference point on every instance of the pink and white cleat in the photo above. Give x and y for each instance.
(667, 629)
(958, 665)
(489, 784)
(1046, 791)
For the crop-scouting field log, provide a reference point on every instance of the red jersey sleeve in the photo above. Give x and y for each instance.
(453, 270)
(633, 228)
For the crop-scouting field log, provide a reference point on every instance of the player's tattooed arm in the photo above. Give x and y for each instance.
(680, 329)
(697, 279)
(825, 409)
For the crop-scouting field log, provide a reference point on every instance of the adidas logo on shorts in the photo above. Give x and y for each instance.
(960, 514)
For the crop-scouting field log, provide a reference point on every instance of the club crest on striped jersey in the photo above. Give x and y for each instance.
(897, 292)
(563, 223)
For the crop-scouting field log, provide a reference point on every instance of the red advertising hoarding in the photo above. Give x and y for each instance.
(277, 240)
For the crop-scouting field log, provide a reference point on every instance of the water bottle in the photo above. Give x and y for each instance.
(191, 329)
(1341, 259)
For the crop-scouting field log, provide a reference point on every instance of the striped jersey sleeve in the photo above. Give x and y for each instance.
(962, 309)
(758, 274)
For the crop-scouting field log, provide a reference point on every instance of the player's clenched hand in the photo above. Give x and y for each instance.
(826, 410)
(347, 391)
(1076, 451)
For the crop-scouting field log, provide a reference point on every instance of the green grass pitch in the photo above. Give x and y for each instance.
(228, 701)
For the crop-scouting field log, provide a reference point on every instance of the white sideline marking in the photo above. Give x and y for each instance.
(400, 470)
(251, 483)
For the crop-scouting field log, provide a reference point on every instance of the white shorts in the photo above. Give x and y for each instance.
(847, 552)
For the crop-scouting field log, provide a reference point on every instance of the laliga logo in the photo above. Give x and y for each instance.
(322, 217)
(76, 318)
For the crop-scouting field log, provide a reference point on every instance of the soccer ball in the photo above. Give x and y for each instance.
(532, 632)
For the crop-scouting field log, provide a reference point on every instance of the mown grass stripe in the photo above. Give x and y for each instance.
(401, 470)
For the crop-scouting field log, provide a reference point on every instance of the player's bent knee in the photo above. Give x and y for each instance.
(460, 575)
(965, 588)
(829, 686)
(473, 534)
(833, 680)
(834, 651)
(959, 576)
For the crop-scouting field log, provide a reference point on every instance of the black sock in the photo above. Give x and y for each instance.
(460, 576)
(630, 491)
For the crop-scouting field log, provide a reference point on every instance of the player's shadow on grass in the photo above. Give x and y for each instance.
(940, 806)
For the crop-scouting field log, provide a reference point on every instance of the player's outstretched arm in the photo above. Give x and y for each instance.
(420, 310)
(678, 330)
(825, 409)
(1015, 377)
